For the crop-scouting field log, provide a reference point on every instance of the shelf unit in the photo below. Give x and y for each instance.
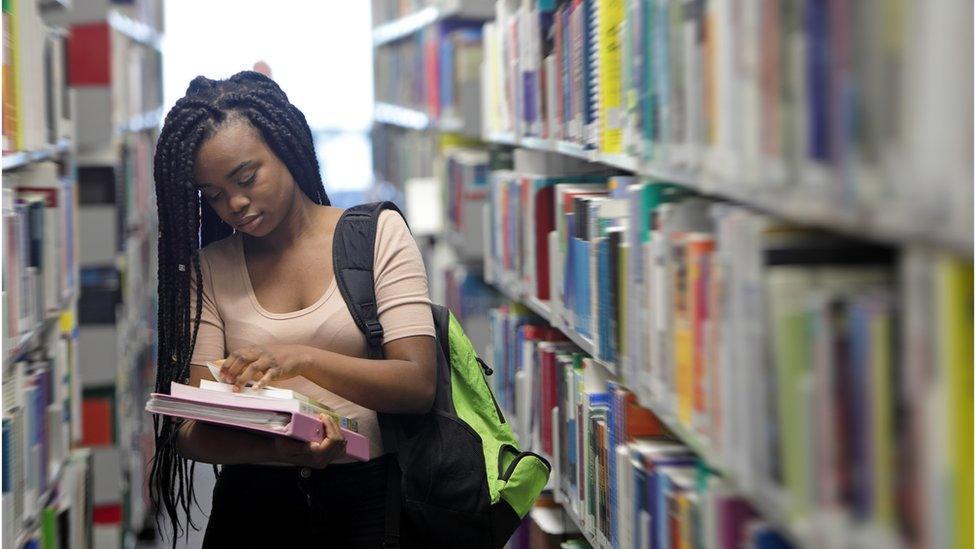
(20, 159)
(411, 23)
(883, 225)
(802, 533)
(137, 31)
(30, 340)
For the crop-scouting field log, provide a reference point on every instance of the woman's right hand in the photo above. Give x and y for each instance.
(313, 454)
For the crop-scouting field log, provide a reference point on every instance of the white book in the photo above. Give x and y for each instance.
(624, 504)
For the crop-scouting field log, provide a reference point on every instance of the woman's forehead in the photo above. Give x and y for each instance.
(230, 145)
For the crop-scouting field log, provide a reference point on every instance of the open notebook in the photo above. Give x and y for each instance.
(268, 410)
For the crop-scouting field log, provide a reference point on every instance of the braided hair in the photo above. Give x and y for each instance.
(186, 223)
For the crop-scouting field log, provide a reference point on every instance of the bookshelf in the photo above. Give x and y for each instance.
(748, 124)
(117, 80)
(41, 420)
(394, 26)
(19, 159)
(795, 205)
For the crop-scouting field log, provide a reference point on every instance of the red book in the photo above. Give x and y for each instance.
(557, 124)
(545, 222)
(96, 421)
(431, 50)
(89, 62)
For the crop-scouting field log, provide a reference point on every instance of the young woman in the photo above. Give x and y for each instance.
(235, 169)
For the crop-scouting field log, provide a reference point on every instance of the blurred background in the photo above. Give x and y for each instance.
(718, 253)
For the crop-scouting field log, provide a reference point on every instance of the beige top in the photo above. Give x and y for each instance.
(232, 318)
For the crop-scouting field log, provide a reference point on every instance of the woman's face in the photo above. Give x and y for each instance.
(243, 180)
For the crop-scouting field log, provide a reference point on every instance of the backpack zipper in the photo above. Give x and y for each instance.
(487, 372)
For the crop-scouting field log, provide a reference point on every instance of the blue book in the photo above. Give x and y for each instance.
(8, 448)
(859, 408)
(767, 538)
(581, 266)
(446, 73)
(817, 22)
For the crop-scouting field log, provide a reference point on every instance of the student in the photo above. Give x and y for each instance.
(235, 168)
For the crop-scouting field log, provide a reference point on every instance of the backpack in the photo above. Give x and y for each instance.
(462, 479)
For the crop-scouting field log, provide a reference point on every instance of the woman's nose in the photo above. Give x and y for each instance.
(238, 202)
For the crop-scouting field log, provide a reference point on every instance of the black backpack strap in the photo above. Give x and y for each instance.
(352, 259)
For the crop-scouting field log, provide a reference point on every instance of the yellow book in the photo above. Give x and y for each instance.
(881, 414)
(11, 78)
(956, 357)
(610, 14)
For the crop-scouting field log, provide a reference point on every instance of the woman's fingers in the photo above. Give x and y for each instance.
(232, 365)
(332, 446)
(269, 375)
(254, 370)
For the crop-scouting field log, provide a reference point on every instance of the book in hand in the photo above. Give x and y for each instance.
(272, 412)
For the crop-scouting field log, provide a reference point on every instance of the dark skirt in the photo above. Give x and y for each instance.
(343, 505)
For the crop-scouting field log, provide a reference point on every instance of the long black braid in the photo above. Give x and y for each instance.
(187, 223)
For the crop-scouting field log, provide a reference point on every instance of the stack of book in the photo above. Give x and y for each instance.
(40, 271)
(37, 103)
(805, 364)
(269, 410)
(466, 185)
(615, 469)
(41, 423)
(838, 103)
(435, 72)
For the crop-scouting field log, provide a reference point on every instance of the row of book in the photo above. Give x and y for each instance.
(65, 520)
(436, 71)
(40, 267)
(841, 101)
(400, 154)
(614, 467)
(466, 188)
(41, 423)
(37, 104)
(399, 11)
(820, 372)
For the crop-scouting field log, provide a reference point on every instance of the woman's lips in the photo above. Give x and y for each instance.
(250, 223)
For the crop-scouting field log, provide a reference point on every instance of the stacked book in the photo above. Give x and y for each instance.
(269, 410)
(41, 423)
(834, 102)
(36, 99)
(38, 210)
(811, 368)
(615, 469)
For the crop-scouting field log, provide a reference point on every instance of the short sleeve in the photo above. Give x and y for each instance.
(210, 336)
(400, 279)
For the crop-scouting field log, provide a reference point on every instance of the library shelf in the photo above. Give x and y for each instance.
(135, 30)
(31, 524)
(802, 532)
(407, 25)
(20, 159)
(796, 203)
(145, 121)
(32, 338)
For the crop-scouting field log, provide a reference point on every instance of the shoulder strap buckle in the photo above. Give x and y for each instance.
(374, 333)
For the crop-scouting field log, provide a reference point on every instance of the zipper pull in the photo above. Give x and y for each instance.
(488, 371)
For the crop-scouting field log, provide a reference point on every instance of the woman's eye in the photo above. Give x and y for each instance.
(248, 181)
(212, 197)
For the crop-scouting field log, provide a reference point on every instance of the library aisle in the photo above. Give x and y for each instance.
(716, 257)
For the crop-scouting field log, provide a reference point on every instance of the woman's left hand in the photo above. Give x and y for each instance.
(262, 364)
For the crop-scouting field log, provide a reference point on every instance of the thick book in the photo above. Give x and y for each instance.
(275, 416)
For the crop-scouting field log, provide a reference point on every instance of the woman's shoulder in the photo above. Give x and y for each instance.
(221, 251)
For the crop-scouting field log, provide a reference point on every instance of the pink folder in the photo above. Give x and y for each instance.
(302, 425)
